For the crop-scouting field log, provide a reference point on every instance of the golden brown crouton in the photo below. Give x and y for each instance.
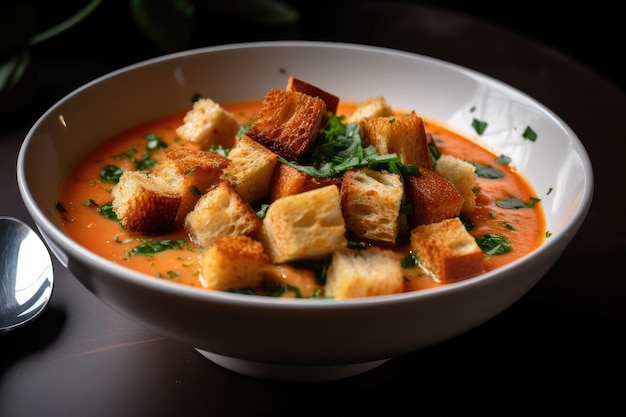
(233, 262)
(332, 101)
(462, 175)
(209, 124)
(372, 107)
(432, 197)
(287, 180)
(371, 202)
(221, 212)
(190, 172)
(145, 204)
(364, 273)
(403, 135)
(288, 122)
(251, 168)
(447, 250)
(308, 225)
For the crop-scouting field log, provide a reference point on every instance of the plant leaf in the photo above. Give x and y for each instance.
(167, 23)
(263, 12)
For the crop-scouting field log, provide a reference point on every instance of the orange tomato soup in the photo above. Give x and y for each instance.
(84, 193)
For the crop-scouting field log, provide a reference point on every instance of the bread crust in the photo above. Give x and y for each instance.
(432, 197)
(209, 124)
(191, 172)
(221, 211)
(251, 169)
(371, 201)
(233, 262)
(372, 107)
(447, 250)
(402, 134)
(145, 204)
(288, 123)
(308, 225)
(463, 176)
(331, 100)
(364, 273)
(287, 180)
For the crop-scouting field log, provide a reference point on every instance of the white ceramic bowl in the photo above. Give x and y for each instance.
(306, 339)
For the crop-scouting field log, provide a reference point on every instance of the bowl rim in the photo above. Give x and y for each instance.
(54, 234)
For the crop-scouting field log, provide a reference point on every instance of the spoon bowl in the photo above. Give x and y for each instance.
(26, 274)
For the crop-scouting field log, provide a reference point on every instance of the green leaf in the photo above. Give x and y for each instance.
(66, 24)
(514, 203)
(12, 70)
(151, 248)
(493, 244)
(167, 23)
(486, 171)
(529, 134)
(262, 12)
(479, 126)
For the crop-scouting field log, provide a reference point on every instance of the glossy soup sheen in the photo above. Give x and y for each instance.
(525, 228)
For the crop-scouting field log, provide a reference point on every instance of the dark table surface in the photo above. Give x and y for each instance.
(561, 346)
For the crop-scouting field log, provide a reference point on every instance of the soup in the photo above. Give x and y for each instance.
(85, 197)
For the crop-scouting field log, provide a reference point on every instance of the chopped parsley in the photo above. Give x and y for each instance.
(494, 244)
(515, 203)
(486, 171)
(529, 134)
(479, 126)
(111, 173)
(153, 247)
(339, 147)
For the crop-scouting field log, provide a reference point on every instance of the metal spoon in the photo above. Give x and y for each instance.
(26, 274)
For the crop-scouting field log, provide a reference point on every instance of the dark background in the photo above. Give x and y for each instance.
(592, 34)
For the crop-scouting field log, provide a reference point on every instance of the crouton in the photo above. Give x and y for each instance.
(462, 175)
(447, 250)
(221, 211)
(370, 201)
(403, 135)
(287, 180)
(233, 262)
(209, 124)
(190, 172)
(432, 197)
(308, 225)
(332, 101)
(145, 204)
(364, 273)
(372, 107)
(251, 168)
(288, 122)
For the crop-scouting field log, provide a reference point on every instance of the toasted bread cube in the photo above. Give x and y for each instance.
(190, 172)
(404, 135)
(145, 204)
(332, 101)
(308, 225)
(462, 175)
(370, 201)
(287, 180)
(372, 107)
(221, 212)
(288, 122)
(364, 273)
(233, 262)
(447, 250)
(209, 124)
(433, 198)
(251, 168)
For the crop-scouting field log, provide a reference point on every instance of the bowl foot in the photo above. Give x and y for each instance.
(290, 373)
